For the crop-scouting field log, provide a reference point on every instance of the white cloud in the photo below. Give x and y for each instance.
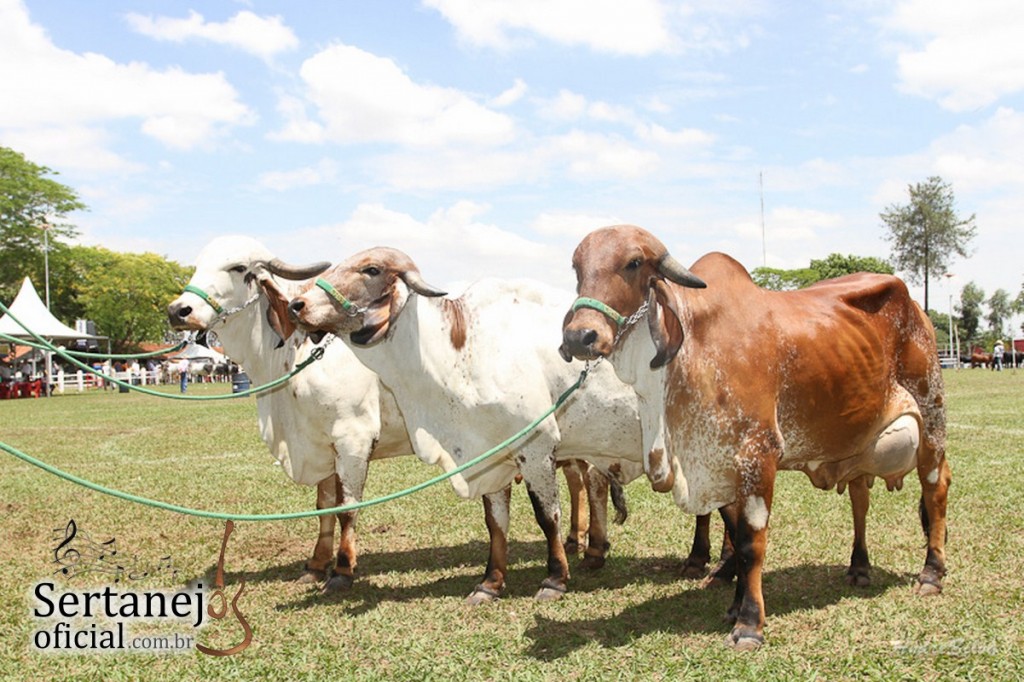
(361, 97)
(686, 137)
(984, 157)
(56, 89)
(323, 172)
(452, 245)
(596, 157)
(510, 96)
(574, 226)
(261, 36)
(971, 55)
(639, 27)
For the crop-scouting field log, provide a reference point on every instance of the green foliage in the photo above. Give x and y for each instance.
(971, 298)
(126, 294)
(784, 280)
(834, 265)
(837, 265)
(1000, 308)
(927, 232)
(29, 203)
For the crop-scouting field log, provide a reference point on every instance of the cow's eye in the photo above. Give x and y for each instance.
(634, 264)
(237, 268)
(371, 271)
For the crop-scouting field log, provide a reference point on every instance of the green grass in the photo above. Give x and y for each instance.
(420, 556)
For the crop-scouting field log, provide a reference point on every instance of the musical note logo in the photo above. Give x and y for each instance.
(221, 611)
(78, 554)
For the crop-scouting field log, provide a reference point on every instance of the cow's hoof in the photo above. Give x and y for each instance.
(591, 562)
(482, 594)
(693, 569)
(744, 642)
(858, 578)
(550, 590)
(337, 583)
(548, 594)
(311, 577)
(572, 546)
(927, 589)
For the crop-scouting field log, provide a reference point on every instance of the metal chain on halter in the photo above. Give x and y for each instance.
(225, 314)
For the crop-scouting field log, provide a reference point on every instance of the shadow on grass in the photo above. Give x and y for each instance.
(695, 610)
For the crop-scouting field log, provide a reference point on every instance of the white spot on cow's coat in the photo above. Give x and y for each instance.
(933, 477)
(756, 512)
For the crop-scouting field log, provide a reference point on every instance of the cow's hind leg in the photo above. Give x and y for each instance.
(574, 472)
(695, 566)
(934, 493)
(316, 567)
(496, 515)
(725, 570)
(860, 498)
(597, 530)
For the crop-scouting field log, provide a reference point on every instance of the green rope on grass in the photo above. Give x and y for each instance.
(295, 515)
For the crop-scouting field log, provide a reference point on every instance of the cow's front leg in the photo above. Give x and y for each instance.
(748, 526)
(348, 491)
(543, 490)
(315, 569)
(496, 515)
(860, 499)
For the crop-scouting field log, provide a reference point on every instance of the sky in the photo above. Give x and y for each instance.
(487, 137)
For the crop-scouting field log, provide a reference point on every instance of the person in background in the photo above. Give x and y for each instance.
(997, 357)
(182, 368)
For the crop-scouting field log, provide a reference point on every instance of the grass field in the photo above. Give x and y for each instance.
(404, 618)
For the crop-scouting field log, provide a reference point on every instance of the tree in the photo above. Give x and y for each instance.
(926, 233)
(837, 265)
(784, 280)
(30, 202)
(1000, 308)
(126, 294)
(970, 309)
(834, 265)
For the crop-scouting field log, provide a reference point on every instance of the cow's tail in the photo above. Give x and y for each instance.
(618, 500)
(926, 524)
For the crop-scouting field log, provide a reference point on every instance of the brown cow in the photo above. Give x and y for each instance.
(840, 380)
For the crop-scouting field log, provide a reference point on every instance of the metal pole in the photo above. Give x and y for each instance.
(46, 269)
(764, 247)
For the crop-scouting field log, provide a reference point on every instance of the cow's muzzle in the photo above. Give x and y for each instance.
(579, 344)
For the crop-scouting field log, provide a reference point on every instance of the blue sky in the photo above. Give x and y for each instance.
(487, 137)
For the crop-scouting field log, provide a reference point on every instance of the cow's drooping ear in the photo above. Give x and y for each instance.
(663, 323)
(277, 312)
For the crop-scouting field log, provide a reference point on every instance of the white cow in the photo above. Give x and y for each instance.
(325, 424)
(469, 372)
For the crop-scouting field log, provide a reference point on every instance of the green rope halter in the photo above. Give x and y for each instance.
(609, 312)
(348, 305)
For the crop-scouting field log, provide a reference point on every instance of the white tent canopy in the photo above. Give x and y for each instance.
(31, 312)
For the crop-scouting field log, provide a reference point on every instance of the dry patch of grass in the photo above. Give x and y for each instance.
(420, 556)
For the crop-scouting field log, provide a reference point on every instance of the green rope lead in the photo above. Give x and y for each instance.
(316, 354)
(100, 356)
(295, 515)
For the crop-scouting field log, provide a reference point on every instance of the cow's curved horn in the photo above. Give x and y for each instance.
(417, 284)
(679, 273)
(288, 271)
